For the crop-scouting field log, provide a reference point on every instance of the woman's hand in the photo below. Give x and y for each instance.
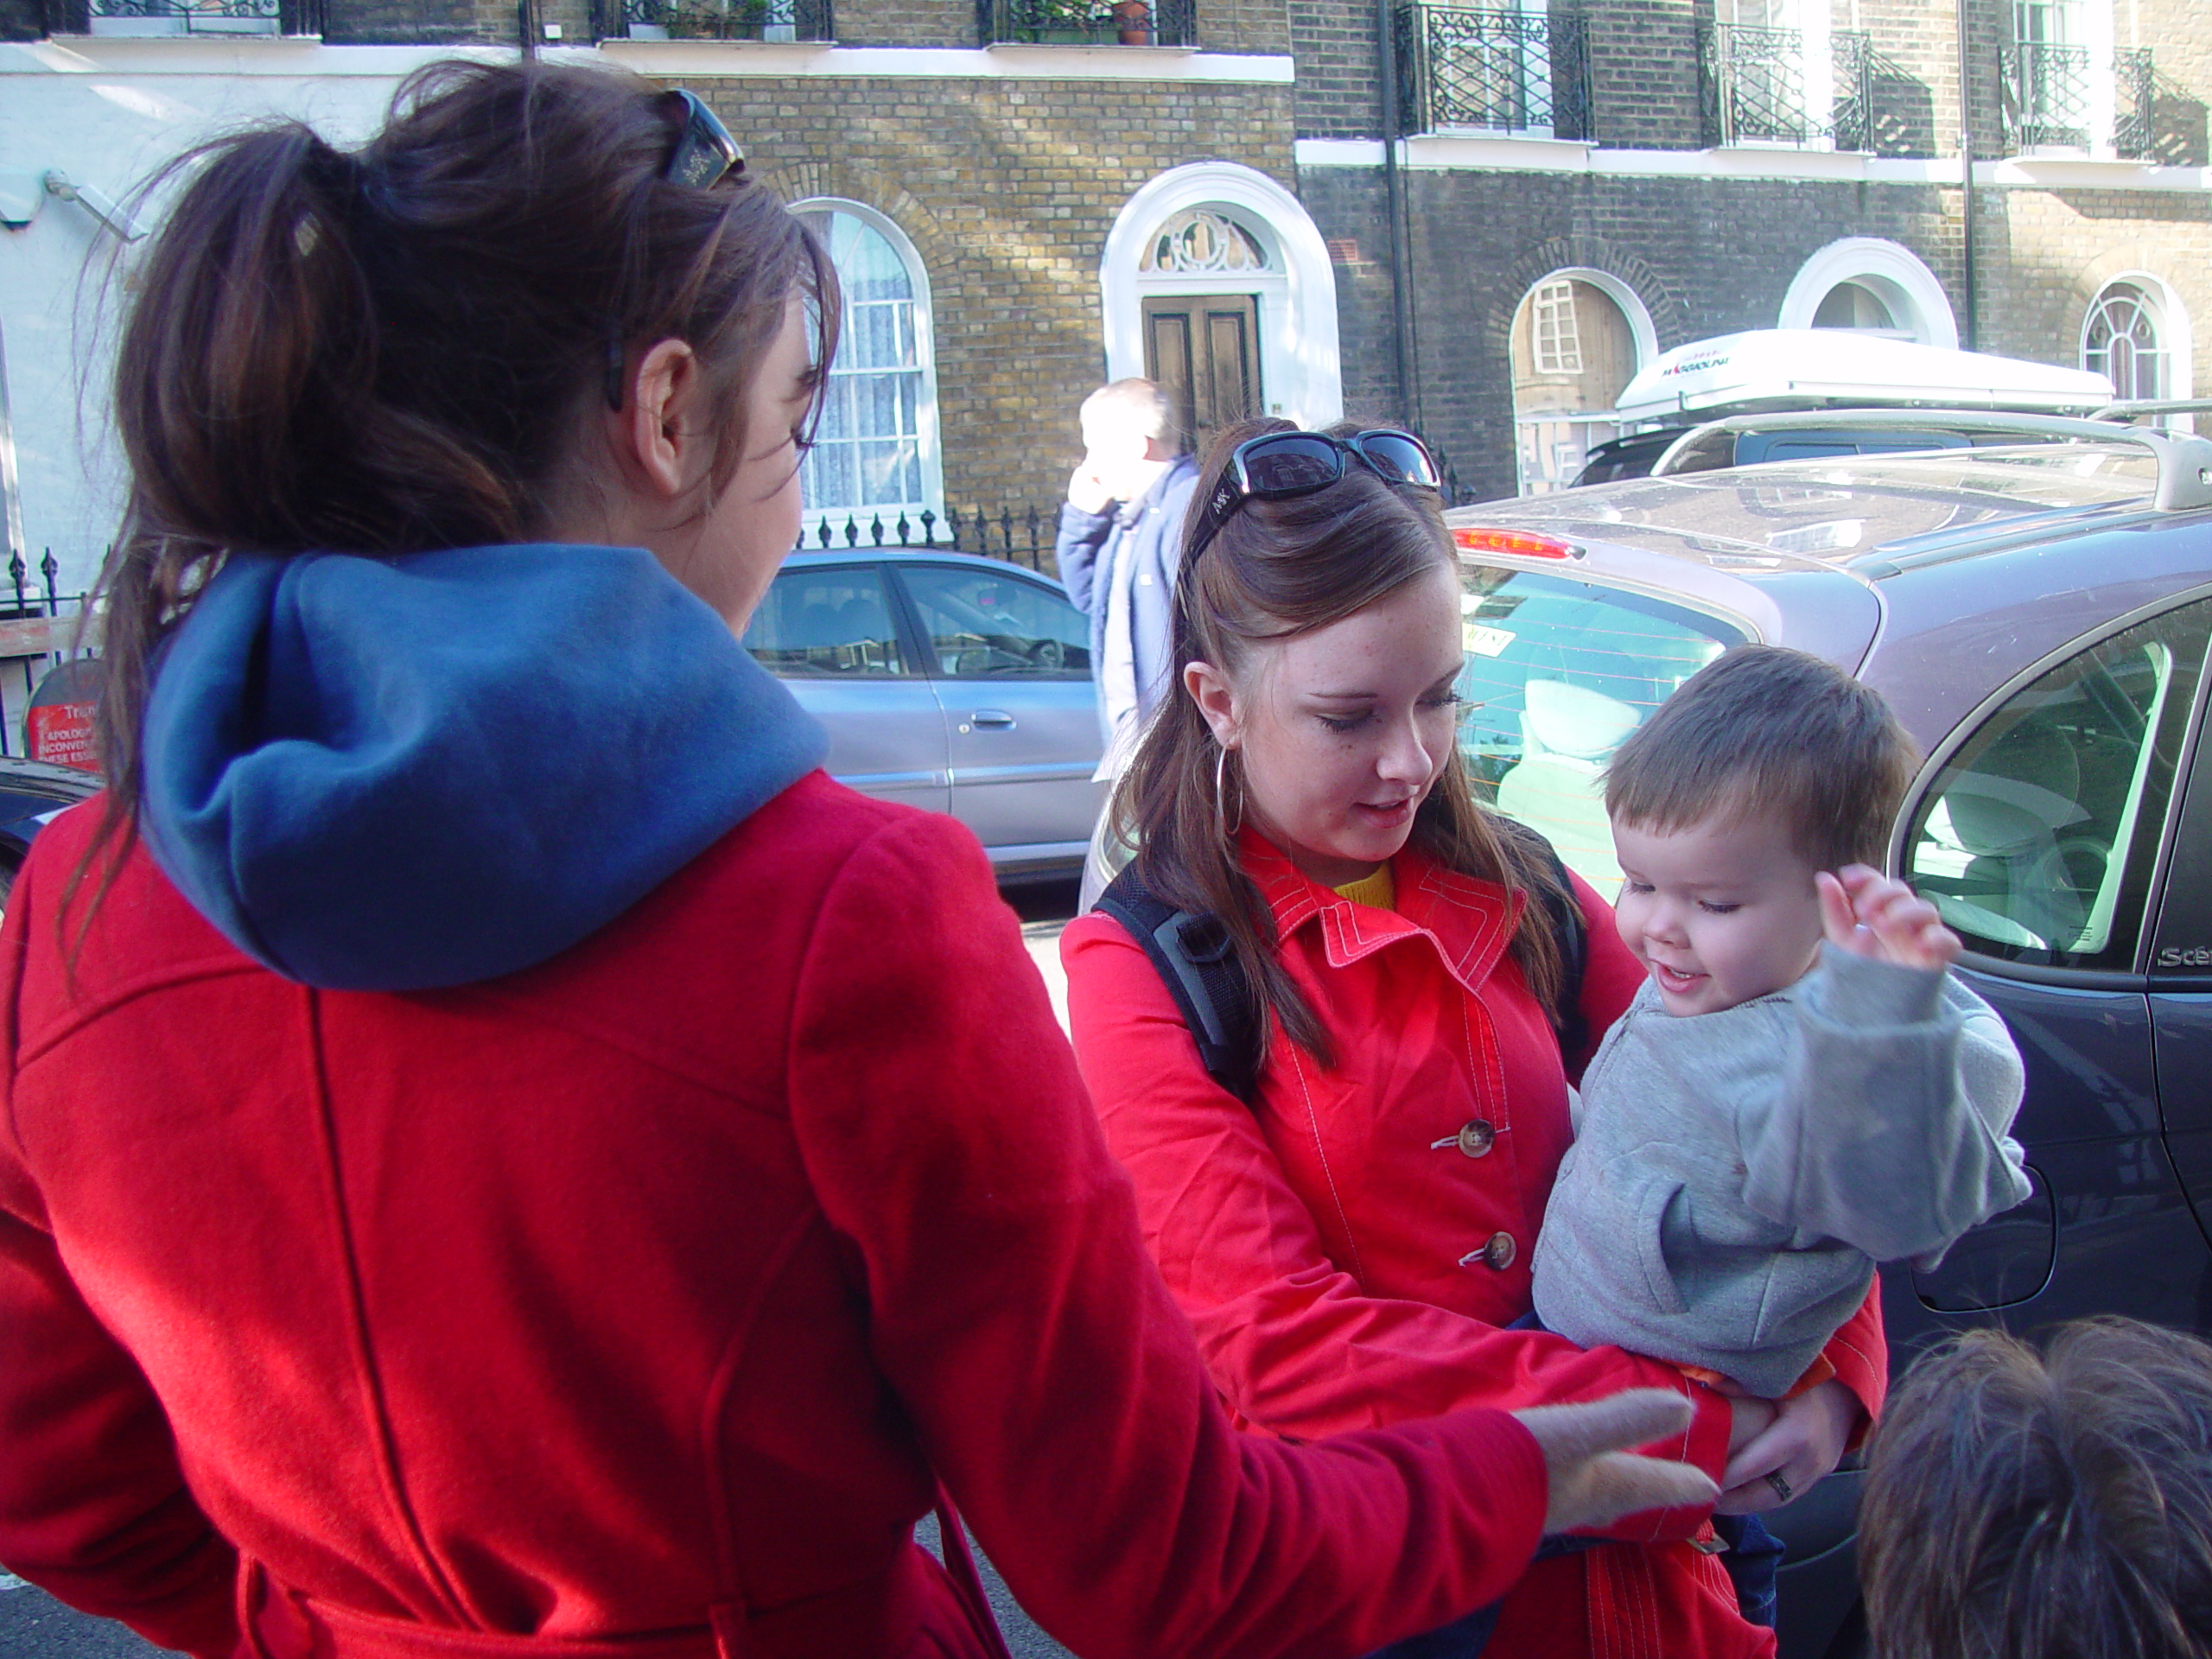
(1595, 1478)
(1803, 1441)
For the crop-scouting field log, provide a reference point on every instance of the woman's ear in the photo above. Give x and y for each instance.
(658, 436)
(1217, 699)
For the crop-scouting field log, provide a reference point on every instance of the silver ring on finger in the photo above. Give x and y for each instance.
(1781, 1486)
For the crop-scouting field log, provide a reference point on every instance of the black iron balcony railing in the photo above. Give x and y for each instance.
(1502, 72)
(2135, 127)
(192, 16)
(2043, 95)
(1853, 55)
(1087, 22)
(715, 19)
(1754, 85)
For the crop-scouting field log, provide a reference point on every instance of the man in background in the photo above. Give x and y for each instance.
(1120, 543)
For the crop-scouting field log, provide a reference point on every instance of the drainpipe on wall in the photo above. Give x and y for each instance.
(1401, 298)
(1972, 332)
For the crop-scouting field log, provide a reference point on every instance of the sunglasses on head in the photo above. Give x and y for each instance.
(1276, 466)
(704, 155)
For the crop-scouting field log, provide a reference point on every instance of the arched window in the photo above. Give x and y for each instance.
(2124, 339)
(1578, 338)
(1867, 283)
(1854, 305)
(876, 452)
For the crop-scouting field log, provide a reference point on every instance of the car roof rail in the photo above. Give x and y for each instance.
(2184, 463)
(2131, 408)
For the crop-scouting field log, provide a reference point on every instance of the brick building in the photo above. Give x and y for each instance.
(1026, 196)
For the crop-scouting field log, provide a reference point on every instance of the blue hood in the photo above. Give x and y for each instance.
(397, 774)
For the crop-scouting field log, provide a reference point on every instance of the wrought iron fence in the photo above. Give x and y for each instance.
(1494, 71)
(1753, 86)
(1087, 22)
(1024, 538)
(2134, 128)
(191, 16)
(2043, 95)
(715, 20)
(40, 629)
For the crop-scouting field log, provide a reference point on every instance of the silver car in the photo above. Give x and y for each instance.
(959, 684)
(2040, 618)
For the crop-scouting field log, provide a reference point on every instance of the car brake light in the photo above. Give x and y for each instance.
(1518, 543)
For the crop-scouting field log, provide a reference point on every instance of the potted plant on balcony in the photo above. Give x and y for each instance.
(1132, 21)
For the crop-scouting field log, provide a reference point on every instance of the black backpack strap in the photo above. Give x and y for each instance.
(1190, 953)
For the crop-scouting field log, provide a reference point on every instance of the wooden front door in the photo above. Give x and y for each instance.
(1203, 351)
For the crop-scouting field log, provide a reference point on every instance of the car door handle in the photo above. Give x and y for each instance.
(994, 717)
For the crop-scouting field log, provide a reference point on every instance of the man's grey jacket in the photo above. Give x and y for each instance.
(1735, 1176)
(1119, 569)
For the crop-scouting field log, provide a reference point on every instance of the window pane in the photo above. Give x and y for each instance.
(2037, 840)
(867, 455)
(1558, 673)
(826, 624)
(985, 626)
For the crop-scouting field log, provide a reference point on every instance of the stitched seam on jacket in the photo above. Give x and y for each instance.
(168, 978)
(1313, 1121)
(367, 1378)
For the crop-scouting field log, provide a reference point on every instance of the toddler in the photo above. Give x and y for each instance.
(1800, 1088)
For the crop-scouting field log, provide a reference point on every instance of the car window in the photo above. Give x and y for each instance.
(826, 623)
(1558, 673)
(984, 625)
(2037, 839)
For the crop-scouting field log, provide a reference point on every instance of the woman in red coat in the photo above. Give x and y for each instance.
(1352, 1244)
(499, 1155)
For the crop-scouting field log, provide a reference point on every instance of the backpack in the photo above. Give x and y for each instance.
(1189, 951)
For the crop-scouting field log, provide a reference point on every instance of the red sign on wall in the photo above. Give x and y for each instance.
(58, 728)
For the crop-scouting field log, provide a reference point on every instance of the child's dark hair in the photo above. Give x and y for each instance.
(397, 348)
(1763, 727)
(2045, 1506)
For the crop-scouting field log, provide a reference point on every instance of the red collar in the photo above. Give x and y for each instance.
(1469, 922)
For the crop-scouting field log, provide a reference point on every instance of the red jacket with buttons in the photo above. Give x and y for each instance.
(656, 1285)
(1349, 1245)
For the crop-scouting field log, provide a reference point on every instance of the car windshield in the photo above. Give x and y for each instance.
(1558, 672)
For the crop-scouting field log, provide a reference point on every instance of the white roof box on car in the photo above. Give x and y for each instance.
(1806, 368)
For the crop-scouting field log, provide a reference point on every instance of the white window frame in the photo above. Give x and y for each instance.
(2176, 337)
(926, 417)
(1555, 439)
(1895, 275)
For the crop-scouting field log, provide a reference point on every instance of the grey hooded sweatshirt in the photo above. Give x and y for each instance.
(1735, 1176)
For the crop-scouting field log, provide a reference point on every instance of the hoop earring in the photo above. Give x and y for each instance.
(1221, 799)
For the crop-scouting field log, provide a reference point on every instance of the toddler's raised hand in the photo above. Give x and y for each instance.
(1869, 915)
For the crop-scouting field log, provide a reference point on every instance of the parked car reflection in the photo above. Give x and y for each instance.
(959, 684)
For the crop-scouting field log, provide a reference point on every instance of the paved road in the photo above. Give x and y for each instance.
(32, 1625)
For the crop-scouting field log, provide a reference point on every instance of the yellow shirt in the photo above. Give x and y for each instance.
(1377, 890)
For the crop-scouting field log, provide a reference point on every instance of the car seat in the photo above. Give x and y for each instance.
(2008, 810)
(1568, 733)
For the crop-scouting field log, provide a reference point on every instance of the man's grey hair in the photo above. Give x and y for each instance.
(1137, 401)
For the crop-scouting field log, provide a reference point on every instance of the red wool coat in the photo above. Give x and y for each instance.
(1348, 1247)
(664, 1279)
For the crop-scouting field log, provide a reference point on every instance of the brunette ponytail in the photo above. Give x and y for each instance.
(395, 350)
(1276, 570)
